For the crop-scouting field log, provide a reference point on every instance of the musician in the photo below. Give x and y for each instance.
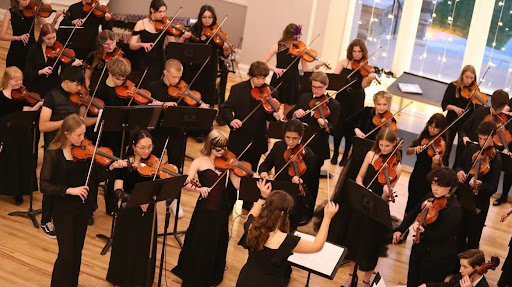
(506, 274)
(16, 146)
(362, 122)
(507, 179)
(484, 185)
(352, 98)
(432, 258)
(57, 106)
(64, 179)
(455, 104)
(90, 25)
(470, 260)
(202, 260)
(364, 238)
(293, 131)
(239, 105)
(268, 239)
(320, 144)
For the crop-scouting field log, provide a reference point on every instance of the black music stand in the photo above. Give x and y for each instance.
(153, 192)
(251, 192)
(123, 119)
(188, 53)
(24, 120)
(466, 198)
(186, 118)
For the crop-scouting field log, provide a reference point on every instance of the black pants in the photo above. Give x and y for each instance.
(47, 208)
(507, 183)
(347, 134)
(70, 227)
(312, 186)
(471, 229)
(426, 265)
(449, 144)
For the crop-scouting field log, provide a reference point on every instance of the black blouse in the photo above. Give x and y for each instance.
(35, 62)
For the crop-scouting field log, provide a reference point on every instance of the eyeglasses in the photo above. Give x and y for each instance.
(120, 78)
(149, 147)
(317, 87)
(219, 149)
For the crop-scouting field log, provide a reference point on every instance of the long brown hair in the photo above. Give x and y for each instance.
(389, 135)
(357, 43)
(288, 33)
(103, 37)
(274, 215)
(46, 29)
(70, 124)
(458, 83)
(15, 6)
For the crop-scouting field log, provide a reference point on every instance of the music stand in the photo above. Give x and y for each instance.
(24, 120)
(153, 192)
(186, 118)
(466, 198)
(189, 53)
(122, 119)
(251, 192)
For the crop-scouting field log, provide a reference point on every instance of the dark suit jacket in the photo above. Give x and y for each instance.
(453, 281)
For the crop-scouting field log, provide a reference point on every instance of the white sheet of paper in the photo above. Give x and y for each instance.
(323, 261)
(410, 88)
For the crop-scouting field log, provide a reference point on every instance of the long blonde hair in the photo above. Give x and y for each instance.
(215, 138)
(70, 124)
(459, 83)
(10, 73)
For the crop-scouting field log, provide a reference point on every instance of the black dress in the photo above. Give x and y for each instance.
(36, 61)
(17, 50)
(153, 60)
(203, 258)
(17, 165)
(129, 258)
(506, 274)
(267, 267)
(418, 184)
(363, 121)
(289, 89)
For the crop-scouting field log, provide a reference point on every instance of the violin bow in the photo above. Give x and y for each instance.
(386, 162)
(33, 21)
(167, 26)
(386, 120)
(328, 98)
(138, 85)
(442, 132)
(363, 62)
(94, 155)
(474, 94)
(477, 159)
(294, 156)
(226, 171)
(235, 62)
(193, 80)
(217, 29)
(261, 103)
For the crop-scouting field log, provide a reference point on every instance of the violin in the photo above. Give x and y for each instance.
(219, 37)
(115, 53)
(308, 55)
(22, 94)
(66, 55)
(228, 161)
(473, 93)
(502, 136)
(99, 10)
(263, 94)
(176, 29)
(481, 164)
(386, 118)
(435, 148)
(297, 166)
(429, 213)
(147, 167)
(321, 110)
(34, 9)
(128, 90)
(83, 98)
(181, 91)
(389, 175)
(363, 67)
(492, 264)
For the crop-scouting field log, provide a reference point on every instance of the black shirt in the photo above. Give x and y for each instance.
(450, 98)
(76, 11)
(36, 61)
(275, 159)
(109, 96)
(58, 101)
(470, 127)
(455, 279)
(363, 120)
(158, 90)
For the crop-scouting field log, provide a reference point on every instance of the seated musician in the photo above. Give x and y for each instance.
(293, 132)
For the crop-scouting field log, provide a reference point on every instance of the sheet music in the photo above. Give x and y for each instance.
(323, 261)
(410, 88)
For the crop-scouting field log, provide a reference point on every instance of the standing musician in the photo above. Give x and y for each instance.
(238, 106)
(483, 184)
(365, 238)
(507, 180)
(16, 146)
(469, 261)
(455, 104)
(352, 98)
(293, 130)
(432, 258)
(506, 274)
(57, 106)
(364, 122)
(64, 179)
(77, 13)
(21, 39)
(202, 260)
(326, 123)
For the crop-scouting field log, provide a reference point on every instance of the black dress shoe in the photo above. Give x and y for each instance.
(334, 160)
(18, 199)
(499, 201)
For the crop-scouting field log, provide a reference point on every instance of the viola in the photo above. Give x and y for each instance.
(176, 29)
(363, 67)
(481, 164)
(228, 161)
(435, 148)
(297, 166)
(22, 94)
(219, 37)
(386, 118)
(99, 10)
(34, 9)
(429, 213)
(502, 136)
(128, 90)
(492, 264)
(388, 174)
(115, 53)
(263, 94)
(84, 99)
(473, 93)
(321, 110)
(65, 55)
(308, 55)
(181, 91)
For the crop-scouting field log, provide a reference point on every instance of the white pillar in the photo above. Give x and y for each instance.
(406, 36)
(478, 33)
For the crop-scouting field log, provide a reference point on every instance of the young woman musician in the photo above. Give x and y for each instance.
(151, 55)
(132, 237)
(455, 104)
(365, 239)
(362, 122)
(269, 242)
(432, 258)
(64, 178)
(16, 146)
(202, 260)
(352, 98)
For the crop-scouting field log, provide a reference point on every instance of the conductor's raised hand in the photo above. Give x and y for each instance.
(265, 187)
(81, 191)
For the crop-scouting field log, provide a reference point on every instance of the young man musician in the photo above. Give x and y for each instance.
(247, 127)
(320, 144)
(483, 185)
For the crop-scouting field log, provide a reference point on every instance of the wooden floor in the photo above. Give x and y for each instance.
(27, 255)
